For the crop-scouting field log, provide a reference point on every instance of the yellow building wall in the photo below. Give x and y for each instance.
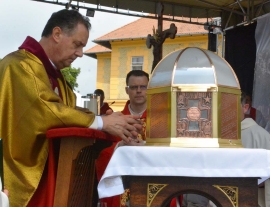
(112, 80)
(104, 73)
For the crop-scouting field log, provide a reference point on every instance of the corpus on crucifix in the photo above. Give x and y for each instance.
(159, 37)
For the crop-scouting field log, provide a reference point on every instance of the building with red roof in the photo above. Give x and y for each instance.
(125, 49)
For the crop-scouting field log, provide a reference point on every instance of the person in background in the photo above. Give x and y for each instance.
(136, 86)
(104, 106)
(253, 113)
(34, 97)
(4, 202)
(254, 136)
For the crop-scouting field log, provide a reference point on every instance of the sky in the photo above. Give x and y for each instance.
(22, 18)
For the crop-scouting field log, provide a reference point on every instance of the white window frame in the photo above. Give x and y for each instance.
(136, 64)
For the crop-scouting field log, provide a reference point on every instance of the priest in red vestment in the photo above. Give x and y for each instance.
(104, 106)
(136, 85)
(253, 113)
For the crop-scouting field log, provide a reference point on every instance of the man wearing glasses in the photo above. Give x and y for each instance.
(137, 81)
(136, 87)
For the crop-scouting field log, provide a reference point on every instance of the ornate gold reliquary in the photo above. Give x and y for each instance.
(193, 100)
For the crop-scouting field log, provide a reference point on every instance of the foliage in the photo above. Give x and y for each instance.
(70, 74)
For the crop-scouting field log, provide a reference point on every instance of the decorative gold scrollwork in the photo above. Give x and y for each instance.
(231, 192)
(152, 190)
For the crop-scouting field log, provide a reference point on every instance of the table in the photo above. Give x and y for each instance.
(172, 170)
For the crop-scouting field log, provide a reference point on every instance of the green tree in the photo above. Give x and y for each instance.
(70, 74)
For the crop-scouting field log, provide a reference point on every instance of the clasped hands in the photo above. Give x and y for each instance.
(127, 127)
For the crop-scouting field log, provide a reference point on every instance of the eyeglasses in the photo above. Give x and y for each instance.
(133, 88)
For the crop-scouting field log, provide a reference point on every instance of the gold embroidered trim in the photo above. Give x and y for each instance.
(125, 197)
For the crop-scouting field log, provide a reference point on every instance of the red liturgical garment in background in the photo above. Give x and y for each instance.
(103, 160)
(105, 107)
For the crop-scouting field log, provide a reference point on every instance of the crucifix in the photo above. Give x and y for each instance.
(194, 114)
(159, 37)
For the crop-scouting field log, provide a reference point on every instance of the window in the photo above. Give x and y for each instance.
(137, 63)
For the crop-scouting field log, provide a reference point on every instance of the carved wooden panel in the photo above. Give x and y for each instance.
(76, 183)
(169, 187)
(229, 106)
(159, 116)
(82, 178)
(194, 117)
(83, 181)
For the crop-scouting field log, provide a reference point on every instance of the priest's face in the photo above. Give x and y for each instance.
(244, 108)
(248, 100)
(70, 46)
(136, 89)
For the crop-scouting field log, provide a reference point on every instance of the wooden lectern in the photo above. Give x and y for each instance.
(76, 183)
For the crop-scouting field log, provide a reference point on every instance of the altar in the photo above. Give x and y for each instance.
(154, 175)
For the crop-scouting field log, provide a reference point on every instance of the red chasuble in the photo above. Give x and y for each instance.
(103, 160)
(252, 114)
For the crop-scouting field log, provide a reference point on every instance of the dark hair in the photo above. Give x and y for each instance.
(243, 98)
(136, 73)
(67, 20)
(99, 92)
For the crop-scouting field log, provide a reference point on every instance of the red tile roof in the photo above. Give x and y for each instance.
(96, 49)
(140, 29)
(143, 26)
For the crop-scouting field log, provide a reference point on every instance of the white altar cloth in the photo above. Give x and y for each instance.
(188, 162)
